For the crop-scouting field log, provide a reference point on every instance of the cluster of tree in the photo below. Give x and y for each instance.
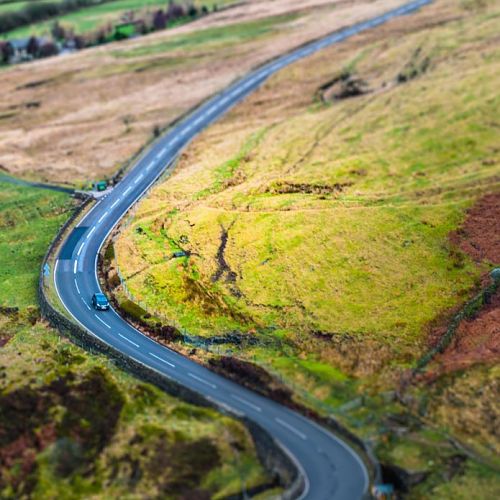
(34, 48)
(40, 11)
(173, 12)
(65, 38)
(146, 23)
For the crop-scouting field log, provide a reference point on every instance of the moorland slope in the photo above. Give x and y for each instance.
(319, 223)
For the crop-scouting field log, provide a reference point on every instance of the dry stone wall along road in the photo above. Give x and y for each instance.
(329, 467)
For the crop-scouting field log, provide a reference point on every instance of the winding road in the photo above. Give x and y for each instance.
(331, 469)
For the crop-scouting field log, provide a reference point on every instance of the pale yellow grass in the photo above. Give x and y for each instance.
(96, 110)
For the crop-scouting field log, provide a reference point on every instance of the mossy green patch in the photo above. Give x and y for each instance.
(213, 37)
(28, 220)
(75, 425)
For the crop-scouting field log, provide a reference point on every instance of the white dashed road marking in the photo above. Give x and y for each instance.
(103, 322)
(80, 249)
(245, 402)
(128, 340)
(162, 360)
(90, 232)
(74, 266)
(291, 428)
(77, 289)
(213, 386)
(102, 217)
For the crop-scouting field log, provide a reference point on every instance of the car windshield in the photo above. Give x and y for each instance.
(101, 299)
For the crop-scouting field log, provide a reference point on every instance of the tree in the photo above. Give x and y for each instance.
(57, 31)
(159, 20)
(6, 51)
(48, 49)
(79, 42)
(175, 11)
(33, 46)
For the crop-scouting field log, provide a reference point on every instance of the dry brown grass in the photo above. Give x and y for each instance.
(73, 118)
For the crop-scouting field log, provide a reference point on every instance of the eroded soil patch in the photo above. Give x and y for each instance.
(477, 340)
(480, 234)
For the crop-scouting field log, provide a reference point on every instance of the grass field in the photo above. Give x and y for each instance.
(28, 220)
(13, 6)
(90, 18)
(320, 226)
(48, 133)
(213, 38)
(332, 210)
(74, 425)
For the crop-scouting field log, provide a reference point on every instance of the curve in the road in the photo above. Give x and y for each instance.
(331, 469)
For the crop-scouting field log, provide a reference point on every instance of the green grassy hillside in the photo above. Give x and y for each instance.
(72, 425)
(316, 218)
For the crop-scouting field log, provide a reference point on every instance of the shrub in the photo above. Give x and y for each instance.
(48, 49)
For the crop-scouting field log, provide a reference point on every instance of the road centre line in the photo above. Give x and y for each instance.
(162, 360)
(151, 165)
(127, 190)
(103, 322)
(74, 266)
(213, 386)
(248, 403)
(80, 249)
(291, 428)
(128, 340)
(139, 177)
(102, 217)
(115, 203)
(77, 289)
(88, 307)
(89, 233)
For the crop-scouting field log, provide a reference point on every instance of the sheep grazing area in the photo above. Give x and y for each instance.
(328, 230)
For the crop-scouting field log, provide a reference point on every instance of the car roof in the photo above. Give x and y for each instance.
(99, 295)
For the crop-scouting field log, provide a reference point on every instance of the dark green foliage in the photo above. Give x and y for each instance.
(132, 310)
(91, 407)
(39, 11)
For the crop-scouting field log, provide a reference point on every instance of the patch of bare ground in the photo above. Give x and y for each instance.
(479, 236)
(477, 340)
(97, 108)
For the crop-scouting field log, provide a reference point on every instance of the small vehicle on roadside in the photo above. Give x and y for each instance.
(100, 185)
(100, 302)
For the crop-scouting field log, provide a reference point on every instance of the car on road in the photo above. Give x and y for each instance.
(100, 302)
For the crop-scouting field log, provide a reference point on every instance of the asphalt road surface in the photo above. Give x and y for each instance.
(332, 470)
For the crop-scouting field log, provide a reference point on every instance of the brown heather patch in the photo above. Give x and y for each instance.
(477, 340)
